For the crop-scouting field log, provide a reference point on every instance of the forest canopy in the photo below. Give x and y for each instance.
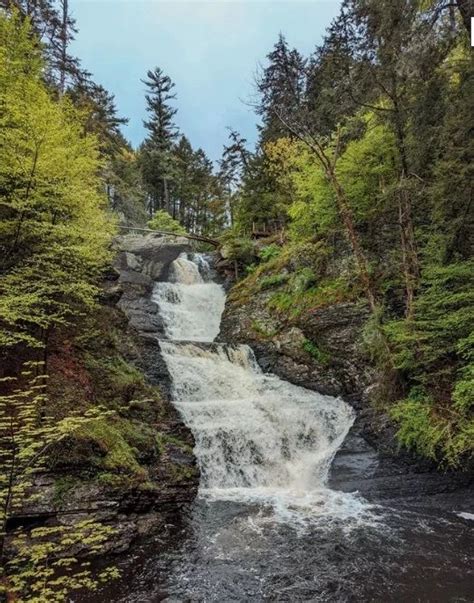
(366, 152)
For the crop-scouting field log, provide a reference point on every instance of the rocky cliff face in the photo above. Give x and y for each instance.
(136, 470)
(323, 350)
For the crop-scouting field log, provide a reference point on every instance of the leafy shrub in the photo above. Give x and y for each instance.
(270, 252)
(163, 221)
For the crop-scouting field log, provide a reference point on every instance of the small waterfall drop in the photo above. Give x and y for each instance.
(258, 438)
(190, 307)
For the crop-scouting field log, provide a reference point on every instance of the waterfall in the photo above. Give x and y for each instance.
(190, 307)
(257, 436)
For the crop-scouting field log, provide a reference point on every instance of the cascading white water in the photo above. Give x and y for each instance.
(191, 309)
(257, 436)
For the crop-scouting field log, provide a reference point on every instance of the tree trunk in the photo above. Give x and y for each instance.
(407, 234)
(62, 66)
(409, 253)
(345, 211)
(166, 196)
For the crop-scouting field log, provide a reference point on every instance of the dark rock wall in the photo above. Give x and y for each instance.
(335, 362)
(166, 477)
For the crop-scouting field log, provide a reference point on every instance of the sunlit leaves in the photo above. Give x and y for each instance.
(54, 230)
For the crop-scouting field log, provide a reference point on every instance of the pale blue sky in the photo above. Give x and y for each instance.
(210, 49)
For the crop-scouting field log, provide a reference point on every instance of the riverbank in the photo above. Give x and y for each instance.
(266, 524)
(133, 471)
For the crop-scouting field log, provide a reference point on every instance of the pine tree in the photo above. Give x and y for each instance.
(56, 29)
(281, 88)
(102, 118)
(156, 158)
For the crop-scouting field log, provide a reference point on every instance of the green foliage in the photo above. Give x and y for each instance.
(178, 179)
(463, 390)
(54, 231)
(238, 248)
(263, 330)
(39, 572)
(315, 352)
(275, 280)
(302, 280)
(62, 486)
(116, 380)
(283, 302)
(297, 302)
(313, 209)
(298, 273)
(126, 193)
(42, 567)
(442, 436)
(368, 167)
(436, 351)
(440, 337)
(164, 439)
(112, 446)
(417, 429)
(270, 252)
(163, 221)
(55, 235)
(376, 203)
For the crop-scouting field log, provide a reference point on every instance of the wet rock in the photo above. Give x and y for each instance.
(131, 504)
(323, 350)
(140, 262)
(291, 342)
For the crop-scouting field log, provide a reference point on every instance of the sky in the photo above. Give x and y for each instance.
(210, 49)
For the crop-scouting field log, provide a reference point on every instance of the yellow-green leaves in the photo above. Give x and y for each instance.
(54, 228)
(54, 238)
(41, 565)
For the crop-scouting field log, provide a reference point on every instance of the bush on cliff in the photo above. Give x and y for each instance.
(163, 221)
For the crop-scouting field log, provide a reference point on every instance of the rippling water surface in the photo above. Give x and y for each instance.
(265, 525)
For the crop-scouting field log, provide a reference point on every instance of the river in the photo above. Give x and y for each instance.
(265, 525)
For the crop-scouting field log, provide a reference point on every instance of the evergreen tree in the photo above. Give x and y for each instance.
(281, 86)
(55, 28)
(156, 157)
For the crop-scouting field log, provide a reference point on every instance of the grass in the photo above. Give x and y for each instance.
(315, 352)
(262, 330)
(274, 280)
(298, 274)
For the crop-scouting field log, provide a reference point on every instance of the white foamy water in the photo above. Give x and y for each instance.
(258, 438)
(191, 309)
